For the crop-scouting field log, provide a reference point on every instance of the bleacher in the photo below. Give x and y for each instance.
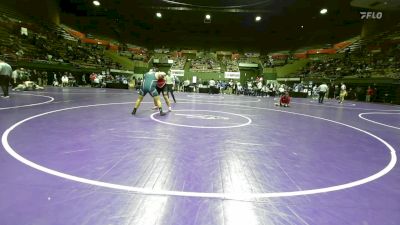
(230, 65)
(179, 63)
(205, 64)
(46, 42)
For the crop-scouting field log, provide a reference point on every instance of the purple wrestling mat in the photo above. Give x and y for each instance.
(76, 156)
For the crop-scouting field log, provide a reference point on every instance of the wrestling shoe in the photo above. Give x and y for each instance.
(134, 111)
(162, 114)
(169, 109)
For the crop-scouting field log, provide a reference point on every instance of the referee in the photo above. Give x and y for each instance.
(323, 88)
(5, 76)
(170, 80)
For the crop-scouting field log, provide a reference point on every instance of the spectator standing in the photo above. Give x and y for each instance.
(15, 77)
(375, 94)
(34, 76)
(230, 87)
(177, 83)
(315, 92)
(93, 78)
(71, 80)
(211, 85)
(40, 78)
(64, 80)
(5, 76)
(45, 78)
(84, 79)
(336, 92)
(370, 92)
(343, 92)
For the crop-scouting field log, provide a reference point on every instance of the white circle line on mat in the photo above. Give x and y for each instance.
(29, 105)
(344, 107)
(373, 121)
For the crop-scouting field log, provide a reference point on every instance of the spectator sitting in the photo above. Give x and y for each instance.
(186, 84)
(93, 79)
(71, 80)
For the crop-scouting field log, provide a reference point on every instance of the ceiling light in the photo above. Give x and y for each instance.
(258, 18)
(208, 16)
(159, 15)
(323, 11)
(96, 3)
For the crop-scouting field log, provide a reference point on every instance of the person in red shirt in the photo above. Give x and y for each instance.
(161, 87)
(370, 92)
(285, 100)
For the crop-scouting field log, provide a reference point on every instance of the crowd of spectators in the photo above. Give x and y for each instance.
(179, 63)
(68, 78)
(258, 87)
(253, 60)
(359, 64)
(46, 44)
(230, 65)
(205, 64)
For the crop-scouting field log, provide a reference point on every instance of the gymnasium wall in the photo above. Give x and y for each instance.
(202, 76)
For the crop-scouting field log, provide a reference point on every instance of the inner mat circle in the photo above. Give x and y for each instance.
(203, 119)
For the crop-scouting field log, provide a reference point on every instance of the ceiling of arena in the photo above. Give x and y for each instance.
(377, 4)
(285, 24)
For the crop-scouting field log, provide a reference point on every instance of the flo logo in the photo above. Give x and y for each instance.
(203, 117)
(371, 15)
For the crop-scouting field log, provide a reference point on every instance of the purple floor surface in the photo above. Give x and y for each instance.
(76, 156)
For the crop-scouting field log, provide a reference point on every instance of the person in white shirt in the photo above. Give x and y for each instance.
(230, 87)
(323, 88)
(315, 92)
(264, 91)
(239, 89)
(211, 85)
(170, 82)
(281, 90)
(64, 80)
(5, 76)
(343, 92)
(259, 87)
(14, 77)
